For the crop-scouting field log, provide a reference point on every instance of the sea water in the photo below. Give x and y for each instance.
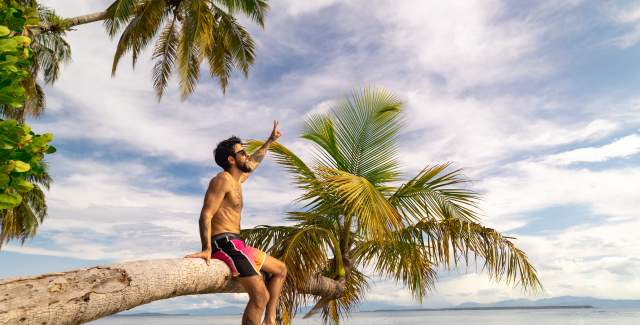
(592, 316)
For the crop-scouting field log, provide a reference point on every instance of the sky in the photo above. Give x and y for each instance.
(536, 101)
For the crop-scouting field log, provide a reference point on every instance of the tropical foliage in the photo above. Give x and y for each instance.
(190, 32)
(15, 56)
(22, 169)
(357, 216)
(48, 51)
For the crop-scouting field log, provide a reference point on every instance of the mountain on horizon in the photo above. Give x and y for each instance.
(558, 301)
(373, 306)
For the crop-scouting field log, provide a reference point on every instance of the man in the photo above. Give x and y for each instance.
(220, 229)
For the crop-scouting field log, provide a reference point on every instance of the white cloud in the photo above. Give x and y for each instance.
(478, 133)
(466, 43)
(530, 186)
(629, 17)
(295, 8)
(621, 148)
(601, 260)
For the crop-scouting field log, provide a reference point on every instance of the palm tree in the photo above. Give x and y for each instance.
(21, 222)
(190, 31)
(355, 214)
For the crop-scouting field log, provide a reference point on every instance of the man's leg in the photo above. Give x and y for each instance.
(258, 298)
(278, 272)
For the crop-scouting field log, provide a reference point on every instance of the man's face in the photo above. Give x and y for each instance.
(241, 158)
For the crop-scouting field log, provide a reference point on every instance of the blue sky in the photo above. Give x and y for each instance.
(537, 101)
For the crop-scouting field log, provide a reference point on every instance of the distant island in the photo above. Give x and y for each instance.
(563, 302)
(147, 315)
(485, 308)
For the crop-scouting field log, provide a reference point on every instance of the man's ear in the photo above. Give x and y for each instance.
(231, 160)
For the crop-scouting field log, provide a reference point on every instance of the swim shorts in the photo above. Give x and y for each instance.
(243, 260)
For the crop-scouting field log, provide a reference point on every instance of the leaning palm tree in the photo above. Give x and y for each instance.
(185, 34)
(355, 216)
(190, 32)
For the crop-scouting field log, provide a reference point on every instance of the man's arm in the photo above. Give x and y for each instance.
(212, 201)
(256, 158)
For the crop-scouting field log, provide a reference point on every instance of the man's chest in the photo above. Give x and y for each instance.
(234, 198)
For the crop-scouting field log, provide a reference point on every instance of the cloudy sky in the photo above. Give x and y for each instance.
(537, 101)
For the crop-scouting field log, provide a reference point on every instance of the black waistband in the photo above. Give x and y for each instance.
(225, 235)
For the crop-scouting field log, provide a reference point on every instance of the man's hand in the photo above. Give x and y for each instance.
(275, 133)
(206, 255)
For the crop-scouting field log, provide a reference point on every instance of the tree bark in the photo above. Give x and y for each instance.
(70, 22)
(84, 295)
(85, 19)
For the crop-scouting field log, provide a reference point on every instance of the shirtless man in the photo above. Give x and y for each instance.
(220, 228)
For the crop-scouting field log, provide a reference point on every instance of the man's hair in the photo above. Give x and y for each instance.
(224, 150)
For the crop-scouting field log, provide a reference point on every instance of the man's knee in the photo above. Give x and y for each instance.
(281, 270)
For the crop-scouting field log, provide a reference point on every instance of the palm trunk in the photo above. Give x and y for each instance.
(85, 19)
(84, 295)
(68, 23)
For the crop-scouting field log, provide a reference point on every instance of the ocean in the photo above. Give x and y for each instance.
(593, 316)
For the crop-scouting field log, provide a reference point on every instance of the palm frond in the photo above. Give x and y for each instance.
(303, 175)
(164, 55)
(50, 51)
(366, 127)
(402, 257)
(43, 179)
(319, 129)
(357, 197)
(237, 41)
(451, 240)
(198, 25)
(188, 65)
(139, 31)
(254, 9)
(267, 238)
(21, 222)
(118, 14)
(219, 58)
(436, 193)
(35, 103)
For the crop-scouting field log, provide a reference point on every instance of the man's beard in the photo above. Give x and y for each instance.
(245, 168)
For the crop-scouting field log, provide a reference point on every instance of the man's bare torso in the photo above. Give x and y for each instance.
(227, 218)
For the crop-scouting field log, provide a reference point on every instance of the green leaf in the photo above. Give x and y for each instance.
(10, 200)
(50, 150)
(21, 185)
(21, 166)
(4, 180)
(4, 31)
(9, 166)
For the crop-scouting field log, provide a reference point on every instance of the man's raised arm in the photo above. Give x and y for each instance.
(256, 157)
(212, 201)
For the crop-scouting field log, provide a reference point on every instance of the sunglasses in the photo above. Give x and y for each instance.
(241, 152)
